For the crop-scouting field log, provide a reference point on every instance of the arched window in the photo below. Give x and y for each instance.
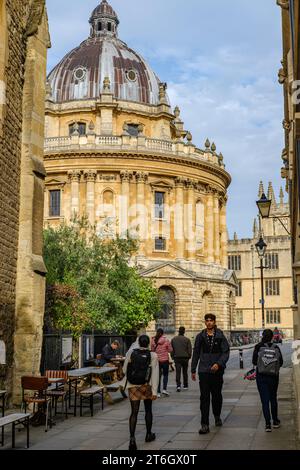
(79, 127)
(109, 26)
(99, 26)
(166, 317)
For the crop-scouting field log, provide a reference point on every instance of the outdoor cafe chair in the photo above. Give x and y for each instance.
(58, 390)
(34, 390)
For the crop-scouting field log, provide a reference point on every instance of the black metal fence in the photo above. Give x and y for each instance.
(58, 349)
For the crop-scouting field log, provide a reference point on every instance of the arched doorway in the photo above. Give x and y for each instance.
(207, 301)
(166, 317)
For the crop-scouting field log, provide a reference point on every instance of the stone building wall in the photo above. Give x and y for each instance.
(24, 39)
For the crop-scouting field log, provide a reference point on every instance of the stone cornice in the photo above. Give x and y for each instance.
(112, 154)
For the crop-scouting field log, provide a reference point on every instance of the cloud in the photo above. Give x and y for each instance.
(220, 59)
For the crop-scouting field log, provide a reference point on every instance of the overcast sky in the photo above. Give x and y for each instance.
(220, 59)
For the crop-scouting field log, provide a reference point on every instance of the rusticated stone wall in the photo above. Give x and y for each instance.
(24, 39)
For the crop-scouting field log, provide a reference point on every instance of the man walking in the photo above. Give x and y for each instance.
(212, 352)
(182, 352)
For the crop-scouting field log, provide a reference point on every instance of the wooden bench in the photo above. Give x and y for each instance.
(14, 419)
(88, 394)
(115, 387)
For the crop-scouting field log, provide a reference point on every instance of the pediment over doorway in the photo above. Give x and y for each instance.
(167, 270)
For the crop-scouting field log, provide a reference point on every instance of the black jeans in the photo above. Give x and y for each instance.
(267, 386)
(210, 384)
(163, 370)
(181, 363)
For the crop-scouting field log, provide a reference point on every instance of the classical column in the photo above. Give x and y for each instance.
(210, 225)
(125, 176)
(179, 218)
(190, 220)
(216, 228)
(141, 210)
(223, 230)
(90, 177)
(74, 176)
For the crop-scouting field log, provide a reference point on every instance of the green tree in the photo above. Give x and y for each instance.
(90, 283)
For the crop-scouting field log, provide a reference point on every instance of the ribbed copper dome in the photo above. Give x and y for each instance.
(80, 74)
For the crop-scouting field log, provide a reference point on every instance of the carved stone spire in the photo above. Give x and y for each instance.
(104, 21)
(271, 195)
(281, 196)
(255, 229)
(261, 190)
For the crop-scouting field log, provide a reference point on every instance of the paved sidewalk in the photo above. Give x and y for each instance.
(177, 421)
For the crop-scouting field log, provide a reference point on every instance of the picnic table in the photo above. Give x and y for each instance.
(92, 373)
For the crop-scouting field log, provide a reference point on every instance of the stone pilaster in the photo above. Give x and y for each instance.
(90, 178)
(74, 177)
(190, 220)
(223, 230)
(216, 228)
(209, 231)
(179, 218)
(141, 210)
(124, 205)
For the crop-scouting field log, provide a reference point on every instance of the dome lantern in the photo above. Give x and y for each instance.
(104, 21)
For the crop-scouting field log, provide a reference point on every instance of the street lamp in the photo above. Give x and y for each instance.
(261, 247)
(264, 206)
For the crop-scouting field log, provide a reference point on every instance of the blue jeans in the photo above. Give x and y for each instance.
(267, 386)
(163, 370)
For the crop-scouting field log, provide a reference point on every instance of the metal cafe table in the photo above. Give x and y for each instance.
(77, 375)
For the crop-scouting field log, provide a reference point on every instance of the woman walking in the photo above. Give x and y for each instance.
(142, 371)
(162, 347)
(268, 359)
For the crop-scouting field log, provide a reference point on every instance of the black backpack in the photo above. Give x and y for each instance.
(139, 369)
(268, 362)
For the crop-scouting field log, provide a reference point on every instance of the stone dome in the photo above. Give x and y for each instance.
(81, 73)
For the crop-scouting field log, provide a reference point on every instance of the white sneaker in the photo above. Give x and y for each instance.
(178, 389)
(158, 395)
(185, 388)
(166, 393)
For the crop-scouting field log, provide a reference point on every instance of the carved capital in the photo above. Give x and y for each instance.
(284, 4)
(180, 182)
(190, 184)
(74, 175)
(125, 176)
(286, 125)
(141, 176)
(90, 175)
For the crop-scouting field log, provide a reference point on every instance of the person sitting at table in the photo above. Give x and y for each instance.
(109, 352)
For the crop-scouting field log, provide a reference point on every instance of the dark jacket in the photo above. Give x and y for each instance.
(219, 353)
(107, 354)
(182, 347)
(256, 351)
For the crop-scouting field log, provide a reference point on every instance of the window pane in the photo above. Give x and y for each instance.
(159, 205)
(160, 243)
(54, 203)
(133, 129)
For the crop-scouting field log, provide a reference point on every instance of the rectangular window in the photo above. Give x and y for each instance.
(273, 317)
(272, 287)
(239, 317)
(160, 244)
(239, 291)
(159, 205)
(54, 203)
(272, 261)
(234, 262)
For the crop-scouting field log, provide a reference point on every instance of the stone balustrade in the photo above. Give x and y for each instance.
(126, 142)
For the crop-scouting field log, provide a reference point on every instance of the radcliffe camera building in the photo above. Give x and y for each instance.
(277, 275)
(117, 152)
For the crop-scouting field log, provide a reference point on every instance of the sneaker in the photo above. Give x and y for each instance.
(204, 429)
(178, 389)
(218, 421)
(276, 423)
(185, 388)
(164, 392)
(132, 445)
(268, 428)
(158, 395)
(150, 437)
